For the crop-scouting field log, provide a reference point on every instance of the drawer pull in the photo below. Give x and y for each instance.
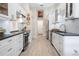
(75, 51)
(10, 49)
(9, 40)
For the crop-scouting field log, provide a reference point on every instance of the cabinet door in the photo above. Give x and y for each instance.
(4, 8)
(12, 51)
(53, 39)
(71, 45)
(19, 44)
(7, 49)
(75, 10)
(11, 46)
(12, 11)
(6, 42)
(61, 44)
(57, 41)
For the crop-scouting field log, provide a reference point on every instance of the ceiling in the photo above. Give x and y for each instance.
(40, 5)
(45, 5)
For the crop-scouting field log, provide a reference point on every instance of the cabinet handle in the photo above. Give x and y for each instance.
(9, 40)
(75, 51)
(10, 49)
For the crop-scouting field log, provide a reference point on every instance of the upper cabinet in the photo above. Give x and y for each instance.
(60, 13)
(69, 9)
(8, 11)
(13, 9)
(72, 11)
(76, 10)
(4, 8)
(4, 11)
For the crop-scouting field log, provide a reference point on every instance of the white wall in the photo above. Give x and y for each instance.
(51, 20)
(33, 24)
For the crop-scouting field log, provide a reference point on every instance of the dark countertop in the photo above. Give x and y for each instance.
(9, 35)
(66, 33)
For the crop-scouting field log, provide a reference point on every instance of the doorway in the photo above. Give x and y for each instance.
(40, 26)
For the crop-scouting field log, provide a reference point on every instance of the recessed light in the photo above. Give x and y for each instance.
(41, 4)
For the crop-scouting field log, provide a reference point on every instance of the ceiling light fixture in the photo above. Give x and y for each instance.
(41, 4)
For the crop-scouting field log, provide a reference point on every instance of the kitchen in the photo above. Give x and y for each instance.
(63, 29)
(12, 28)
(21, 24)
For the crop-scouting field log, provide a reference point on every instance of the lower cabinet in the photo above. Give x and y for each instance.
(19, 46)
(57, 41)
(71, 46)
(66, 45)
(11, 46)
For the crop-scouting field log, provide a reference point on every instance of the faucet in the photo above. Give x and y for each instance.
(63, 26)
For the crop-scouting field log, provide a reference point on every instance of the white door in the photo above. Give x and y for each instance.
(40, 26)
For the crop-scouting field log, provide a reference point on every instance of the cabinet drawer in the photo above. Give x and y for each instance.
(5, 42)
(71, 51)
(5, 50)
(12, 53)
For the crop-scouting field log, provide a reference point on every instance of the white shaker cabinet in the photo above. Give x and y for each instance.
(11, 46)
(76, 10)
(57, 42)
(7, 45)
(12, 11)
(19, 46)
(66, 45)
(71, 45)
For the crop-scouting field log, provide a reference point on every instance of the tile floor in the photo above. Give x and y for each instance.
(40, 46)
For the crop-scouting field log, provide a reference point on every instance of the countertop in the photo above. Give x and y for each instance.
(9, 35)
(66, 33)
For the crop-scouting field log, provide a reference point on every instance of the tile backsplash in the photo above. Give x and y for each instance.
(72, 26)
(5, 25)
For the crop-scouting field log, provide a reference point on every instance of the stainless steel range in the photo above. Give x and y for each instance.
(25, 40)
